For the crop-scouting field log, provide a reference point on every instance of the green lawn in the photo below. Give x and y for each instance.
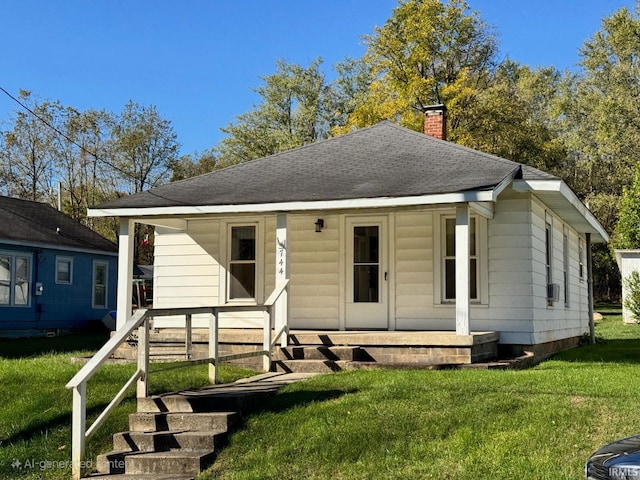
(541, 423)
(35, 410)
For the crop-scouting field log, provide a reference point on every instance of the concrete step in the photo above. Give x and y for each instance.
(310, 366)
(139, 476)
(184, 462)
(216, 422)
(320, 352)
(178, 462)
(205, 403)
(164, 441)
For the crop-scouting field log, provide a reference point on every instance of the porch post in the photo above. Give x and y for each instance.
(592, 332)
(125, 271)
(462, 269)
(282, 274)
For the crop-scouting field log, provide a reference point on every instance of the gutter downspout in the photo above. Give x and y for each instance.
(592, 332)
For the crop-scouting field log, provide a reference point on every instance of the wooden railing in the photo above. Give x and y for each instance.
(276, 316)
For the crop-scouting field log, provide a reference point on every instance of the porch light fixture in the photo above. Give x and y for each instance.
(319, 225)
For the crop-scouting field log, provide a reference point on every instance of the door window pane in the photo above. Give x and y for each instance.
(243, 280)
(366, 264)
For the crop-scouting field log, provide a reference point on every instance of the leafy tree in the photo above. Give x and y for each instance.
(426, 53)
(188, 166)
(27, 155)
(144, 147)
(627, 230)
(291, 113)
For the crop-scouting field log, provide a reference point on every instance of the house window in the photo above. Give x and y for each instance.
(548, 245)
(565, 264)
(15, 280)
(449, 270)
(64, 270)
(100, 277)
(242, 262)
(581, 259)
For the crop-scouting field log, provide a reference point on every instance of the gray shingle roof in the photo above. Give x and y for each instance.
(34, 222)
(384, 160)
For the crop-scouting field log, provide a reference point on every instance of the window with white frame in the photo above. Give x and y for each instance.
(242, 262)
(15, 279)
(64, 270)
(548, 245)
(581, 259)
(565, 264)
(449, 259)
(100, 284)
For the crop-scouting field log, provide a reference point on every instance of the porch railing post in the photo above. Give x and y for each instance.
(78, 426)
(188, 336)
(143, 359)
(213, 347)
(266, 363)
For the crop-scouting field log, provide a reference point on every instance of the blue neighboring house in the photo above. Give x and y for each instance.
(56, 275)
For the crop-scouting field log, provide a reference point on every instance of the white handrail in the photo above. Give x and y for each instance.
(141, 320)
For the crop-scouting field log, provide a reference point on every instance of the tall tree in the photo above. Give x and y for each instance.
(191, 165)
(144, 147)
(27, 155)
(426, 53)
(291, 113)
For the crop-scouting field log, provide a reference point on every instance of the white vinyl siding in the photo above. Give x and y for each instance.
(314, 271)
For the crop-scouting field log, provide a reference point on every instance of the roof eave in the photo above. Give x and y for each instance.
(576, 214)
(354, 203)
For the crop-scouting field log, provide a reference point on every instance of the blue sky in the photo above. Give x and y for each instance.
(197, 60)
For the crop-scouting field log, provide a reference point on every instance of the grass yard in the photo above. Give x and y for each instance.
(35, 410)
(541, 423)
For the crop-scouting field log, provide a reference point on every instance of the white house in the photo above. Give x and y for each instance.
(381, 229)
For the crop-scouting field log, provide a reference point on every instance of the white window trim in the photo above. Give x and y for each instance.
(565, 265)
(225, 256)
(14, 254)
(60, 258)
(482, 259)
(106, 284)
(581, 261)
(548, 255)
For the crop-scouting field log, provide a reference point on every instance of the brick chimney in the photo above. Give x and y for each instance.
(435, 121)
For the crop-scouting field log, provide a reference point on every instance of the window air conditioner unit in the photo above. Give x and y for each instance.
(553, 292)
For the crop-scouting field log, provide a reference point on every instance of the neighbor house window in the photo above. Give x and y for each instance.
(15, 280)
(100, 277)
(242, 262)
(64, 270)
(449, 267)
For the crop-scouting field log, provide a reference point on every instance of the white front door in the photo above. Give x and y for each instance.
(366, 281)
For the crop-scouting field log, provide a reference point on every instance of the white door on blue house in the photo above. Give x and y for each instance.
(366, 282)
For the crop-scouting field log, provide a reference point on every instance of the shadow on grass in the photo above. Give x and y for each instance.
(612, 351)
(33, 347)
(283, 401)
(60, 421)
